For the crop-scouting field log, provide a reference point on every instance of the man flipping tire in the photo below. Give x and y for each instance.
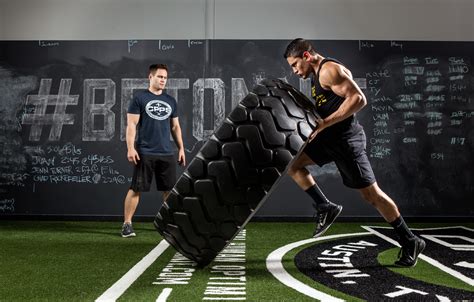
(341, 139)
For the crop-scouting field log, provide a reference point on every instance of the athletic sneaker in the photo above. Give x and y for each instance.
(127, 230)
(409, 252)
(324, 218)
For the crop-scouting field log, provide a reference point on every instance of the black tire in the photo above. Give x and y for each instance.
(234, 171)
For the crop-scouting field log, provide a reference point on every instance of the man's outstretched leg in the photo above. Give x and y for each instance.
(326, 211)
(411, 245)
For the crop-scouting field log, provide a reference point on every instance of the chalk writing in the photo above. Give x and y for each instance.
(195, 42)
(395, 44)
(458, 140)
(431, 60)
(437, 156)
(130, 44)
(70, 164)
(365, 44)
(42, 43)
(165, 46)
(13, 179)
(381, 108)
(7, 205)
(380, 152)
(426, 87)
(44, 99)
(407, 140)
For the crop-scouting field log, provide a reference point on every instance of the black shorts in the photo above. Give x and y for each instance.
(349, 156)
(162, 166)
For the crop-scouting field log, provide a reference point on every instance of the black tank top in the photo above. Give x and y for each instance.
(327, 102)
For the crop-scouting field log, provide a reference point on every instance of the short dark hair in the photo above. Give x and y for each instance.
(297, 47)
(154, 67)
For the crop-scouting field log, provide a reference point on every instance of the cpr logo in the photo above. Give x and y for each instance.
(158, 110)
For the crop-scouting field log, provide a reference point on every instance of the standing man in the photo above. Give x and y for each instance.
(341, 139)
(151, 116)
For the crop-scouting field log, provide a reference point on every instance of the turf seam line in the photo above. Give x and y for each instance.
(119, 287)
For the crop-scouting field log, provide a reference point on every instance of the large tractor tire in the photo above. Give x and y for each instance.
(235, 170)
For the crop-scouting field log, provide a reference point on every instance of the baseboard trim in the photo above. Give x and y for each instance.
(147, 218)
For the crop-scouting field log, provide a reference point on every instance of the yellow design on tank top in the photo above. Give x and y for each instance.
(319, 98)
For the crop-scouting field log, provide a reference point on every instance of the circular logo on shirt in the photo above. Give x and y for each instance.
(158, 110)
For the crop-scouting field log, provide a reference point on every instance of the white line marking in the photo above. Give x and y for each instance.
(465, 264)
(224, 298)
(119, 287)
(431, 261)
(226, 283)
(456, 247)
(164, 295)
(443, 298)
(275, 267)
(423, 229)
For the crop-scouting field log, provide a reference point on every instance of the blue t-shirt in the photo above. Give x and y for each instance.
(153, 130)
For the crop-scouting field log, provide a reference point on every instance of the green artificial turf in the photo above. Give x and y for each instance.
(422, 271)
(66, 261)
(78, 261)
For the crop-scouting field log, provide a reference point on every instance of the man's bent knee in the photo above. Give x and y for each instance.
(370, 193)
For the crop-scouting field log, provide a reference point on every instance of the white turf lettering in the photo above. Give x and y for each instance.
(404, 291)
(349, 273)
(345, 250)
(178, 271)
(228, 281)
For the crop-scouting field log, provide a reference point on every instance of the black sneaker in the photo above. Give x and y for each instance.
(127, 230)
(324, 218)
(409, 252)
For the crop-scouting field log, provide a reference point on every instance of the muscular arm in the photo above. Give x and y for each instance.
(132, 121)
(178, 139)
(337, 78)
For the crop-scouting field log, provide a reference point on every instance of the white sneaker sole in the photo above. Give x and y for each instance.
(129, 235)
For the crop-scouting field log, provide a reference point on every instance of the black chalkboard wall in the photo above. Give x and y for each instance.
(63, 108)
